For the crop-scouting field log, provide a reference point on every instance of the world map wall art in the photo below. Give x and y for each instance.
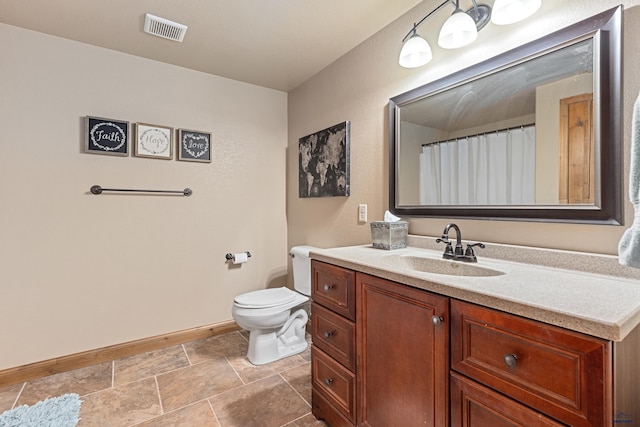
(323, 159)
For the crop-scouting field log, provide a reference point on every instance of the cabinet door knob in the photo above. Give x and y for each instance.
(327, 288)
(329, 334)
(510, 360)
(328, 381)
(436, 320)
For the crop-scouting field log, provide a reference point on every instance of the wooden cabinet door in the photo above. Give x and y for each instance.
(403, 358)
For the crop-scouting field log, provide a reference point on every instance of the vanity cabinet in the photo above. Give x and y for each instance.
(403, 355)
(559, 373)
(387, 354)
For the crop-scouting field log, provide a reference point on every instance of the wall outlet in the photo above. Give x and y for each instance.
(362, 213)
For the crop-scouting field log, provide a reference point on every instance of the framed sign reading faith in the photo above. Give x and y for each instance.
(106, 136)
(323, 169)
(153, 141)
(194, 146)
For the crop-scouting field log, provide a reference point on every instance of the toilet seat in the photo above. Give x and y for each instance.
(265, 298)
(275, 301)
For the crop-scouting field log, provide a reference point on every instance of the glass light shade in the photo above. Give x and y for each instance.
(415, 53)
(458, 30)
(507, 12)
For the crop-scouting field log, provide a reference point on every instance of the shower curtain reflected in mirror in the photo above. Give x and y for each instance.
(496, 168)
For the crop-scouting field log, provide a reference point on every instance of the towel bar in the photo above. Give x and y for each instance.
(96, 189)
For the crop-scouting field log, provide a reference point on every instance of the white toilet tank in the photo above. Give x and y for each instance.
(301, 268)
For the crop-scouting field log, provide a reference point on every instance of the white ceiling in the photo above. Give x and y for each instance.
(273, 43)
(508, 93)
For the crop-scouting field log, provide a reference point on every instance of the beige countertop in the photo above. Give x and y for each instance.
(601, 305)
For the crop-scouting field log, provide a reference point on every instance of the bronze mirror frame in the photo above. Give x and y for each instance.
(605, 29)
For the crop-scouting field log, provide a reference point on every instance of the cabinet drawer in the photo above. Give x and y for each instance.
(558, 372)
(473, 405)
(323, 410)
(334, 334)
(334, 382)
(334, 288)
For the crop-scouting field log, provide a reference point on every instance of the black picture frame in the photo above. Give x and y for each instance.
(194, 146)
(323, 162)
(106, 136)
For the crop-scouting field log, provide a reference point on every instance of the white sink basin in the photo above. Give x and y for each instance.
(439, 266)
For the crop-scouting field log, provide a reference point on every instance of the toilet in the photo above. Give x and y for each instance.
(274, 332)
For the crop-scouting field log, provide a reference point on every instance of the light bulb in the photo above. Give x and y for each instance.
(507, 12)
(458, 30)
(415, 53)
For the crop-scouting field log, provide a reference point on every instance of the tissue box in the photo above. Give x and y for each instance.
(389, 235)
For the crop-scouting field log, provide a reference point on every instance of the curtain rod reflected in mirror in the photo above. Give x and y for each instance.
(568, 164)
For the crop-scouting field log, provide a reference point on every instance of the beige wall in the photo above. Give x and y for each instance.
(80, 271)
(358, 86)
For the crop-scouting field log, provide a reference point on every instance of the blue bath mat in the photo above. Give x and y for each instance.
(60, 411)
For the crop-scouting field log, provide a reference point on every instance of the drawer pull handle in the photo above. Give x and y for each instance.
(327, 288)
(436, 320)
(510, 360)
(329, 334)
(328, 381)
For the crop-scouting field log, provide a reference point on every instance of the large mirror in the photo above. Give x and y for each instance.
(533, 134)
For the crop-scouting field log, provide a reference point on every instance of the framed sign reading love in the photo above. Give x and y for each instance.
(194, 146)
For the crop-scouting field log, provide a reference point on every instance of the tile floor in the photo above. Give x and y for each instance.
(208, 382)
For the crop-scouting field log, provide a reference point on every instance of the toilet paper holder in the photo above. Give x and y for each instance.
(229, 256)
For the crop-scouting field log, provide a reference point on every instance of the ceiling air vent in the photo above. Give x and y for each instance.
(164, 28)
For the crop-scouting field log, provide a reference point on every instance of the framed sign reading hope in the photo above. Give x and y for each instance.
(153, 141)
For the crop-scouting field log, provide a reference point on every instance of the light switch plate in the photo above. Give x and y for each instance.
(362, 213)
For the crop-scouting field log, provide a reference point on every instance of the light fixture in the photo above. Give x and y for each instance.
(509, 11)
(458, 30)
(461, 28)
(416, 52)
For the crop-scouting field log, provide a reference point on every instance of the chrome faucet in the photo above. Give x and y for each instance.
(457, 254)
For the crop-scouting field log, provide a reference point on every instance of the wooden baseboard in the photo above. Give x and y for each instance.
(91, 357)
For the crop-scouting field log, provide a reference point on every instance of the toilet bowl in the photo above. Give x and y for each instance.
(275, 332)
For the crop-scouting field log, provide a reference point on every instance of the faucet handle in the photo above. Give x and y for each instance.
(471, 245)
(469, 254)
(448, 250)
